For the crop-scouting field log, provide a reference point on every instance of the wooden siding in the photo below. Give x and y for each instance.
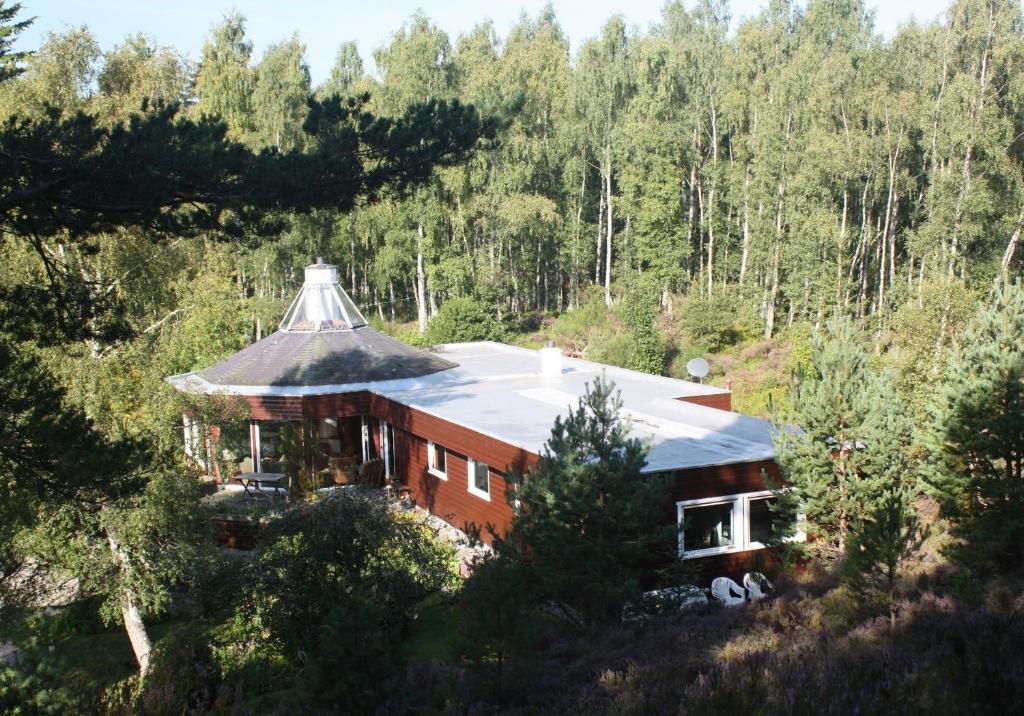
(299, 407)
(722, 401)
(718, 480)
(451, 499)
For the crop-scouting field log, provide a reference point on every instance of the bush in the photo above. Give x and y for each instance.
(343, 571)
(464, 319)
(719, 321)
(639, 309)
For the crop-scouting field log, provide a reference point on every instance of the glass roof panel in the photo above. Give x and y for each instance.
(322, 307)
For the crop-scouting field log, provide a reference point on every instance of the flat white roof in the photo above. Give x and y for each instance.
(498, 390)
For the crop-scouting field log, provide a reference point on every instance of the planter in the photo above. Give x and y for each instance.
(236, 532)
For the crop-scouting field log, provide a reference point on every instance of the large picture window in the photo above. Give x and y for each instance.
(479, 479)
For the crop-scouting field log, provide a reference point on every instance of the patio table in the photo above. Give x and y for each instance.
(258, 479)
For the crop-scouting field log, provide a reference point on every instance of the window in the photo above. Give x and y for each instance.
(369, 445)
(708, 527)
(437, 460)
(761, 519)
(387, 436)
(730, 523)
(479, 479)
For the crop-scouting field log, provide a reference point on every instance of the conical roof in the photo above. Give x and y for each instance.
(323, 340)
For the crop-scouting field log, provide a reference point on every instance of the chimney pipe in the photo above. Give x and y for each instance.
(550, 361)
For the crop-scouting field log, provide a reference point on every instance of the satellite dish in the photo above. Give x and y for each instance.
(698, 368)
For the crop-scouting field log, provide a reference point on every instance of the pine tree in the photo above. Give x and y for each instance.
(588, 523)
(974, 436)
(844, 441)
(879, 545)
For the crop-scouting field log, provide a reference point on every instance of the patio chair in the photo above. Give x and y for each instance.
(371, 473)
(757, 585)
(727, 592)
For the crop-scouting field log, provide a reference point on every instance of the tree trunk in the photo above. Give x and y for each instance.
(610, 230)
(746, 229)
(133, 623)
(597, 245)
(773, 294)
(421, 284)
(1012, 246)
(352, 252)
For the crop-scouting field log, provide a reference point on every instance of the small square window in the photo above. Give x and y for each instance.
(437, 460)
(479, 479)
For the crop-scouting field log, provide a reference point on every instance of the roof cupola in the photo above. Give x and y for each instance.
(322, 304)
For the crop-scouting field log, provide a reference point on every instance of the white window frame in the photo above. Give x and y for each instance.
(740, 524)
(387, 434)
(471, 479)
(737, 527)
(431, 466)
(798, 536)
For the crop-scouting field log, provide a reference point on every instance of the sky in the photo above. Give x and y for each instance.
(323, 24)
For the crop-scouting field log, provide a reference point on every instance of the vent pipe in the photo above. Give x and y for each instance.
(550, 361)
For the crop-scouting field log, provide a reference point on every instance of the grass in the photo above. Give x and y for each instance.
(70, 659)
(436, 634)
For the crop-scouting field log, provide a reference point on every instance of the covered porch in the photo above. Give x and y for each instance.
(310, 453)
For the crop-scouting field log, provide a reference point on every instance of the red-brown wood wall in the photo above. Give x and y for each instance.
(451, 499)
(722, 401)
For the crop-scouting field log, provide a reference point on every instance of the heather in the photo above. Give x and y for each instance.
(811, 649)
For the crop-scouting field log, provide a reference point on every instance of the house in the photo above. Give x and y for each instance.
(448, 423)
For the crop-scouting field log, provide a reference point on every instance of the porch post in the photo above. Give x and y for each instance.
(365, 430)
(254, 445)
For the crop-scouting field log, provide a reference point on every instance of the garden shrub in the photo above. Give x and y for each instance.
(336, 585)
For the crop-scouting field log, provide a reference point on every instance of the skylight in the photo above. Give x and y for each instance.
(322, 304)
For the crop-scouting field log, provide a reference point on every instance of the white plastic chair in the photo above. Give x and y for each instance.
(756, 585)
(727, 591)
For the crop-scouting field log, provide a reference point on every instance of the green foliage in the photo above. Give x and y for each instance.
(973, 437)
(585, 326)
(342, 572)
(224, 82)
(801, 359)
(498, 621)
(844, 440)
(640, 310)
(464, 319)
(648, 353)
(717, 322)
(885, 539)
(10, 61)
(587, 526)
(158, 532)
(303, 458)
(924, 330)
(279, 97)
